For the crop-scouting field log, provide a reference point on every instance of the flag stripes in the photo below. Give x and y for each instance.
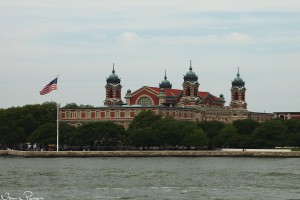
(49, 87)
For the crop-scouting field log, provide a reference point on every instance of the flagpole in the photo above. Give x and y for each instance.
(47, 89)
(57, 125)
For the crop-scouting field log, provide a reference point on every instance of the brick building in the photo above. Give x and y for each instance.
(186, 103)
(287, 115)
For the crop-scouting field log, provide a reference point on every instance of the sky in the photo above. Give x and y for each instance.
(80, 40)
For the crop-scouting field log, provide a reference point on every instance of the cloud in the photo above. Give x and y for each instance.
(129, 36)
(238, 38)
(233, 38)
(203, 5)
(42, 38)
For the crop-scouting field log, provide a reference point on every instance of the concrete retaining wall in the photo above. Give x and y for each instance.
(3, 152)
(293, 154)
(258, 150)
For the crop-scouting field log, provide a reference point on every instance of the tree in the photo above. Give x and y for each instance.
(212, 130)
(17, 123)
(74, 106)
(44, 135)
(169, 132)
(67, 134)
(99, 134)
(246, 126)
(71, 105)
(139, 133)
(270, 134)
(144, 120)
(142, 138)
(196, 138)
(228, 137)
(293, 128)
(245, 129)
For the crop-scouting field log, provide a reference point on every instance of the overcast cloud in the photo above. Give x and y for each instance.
(79, 40)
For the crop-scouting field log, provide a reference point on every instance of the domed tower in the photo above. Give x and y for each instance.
(190, 88)
(238, 92)
(165, 83)
(113, 89)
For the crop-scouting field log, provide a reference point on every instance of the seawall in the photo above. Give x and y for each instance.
(292, 154)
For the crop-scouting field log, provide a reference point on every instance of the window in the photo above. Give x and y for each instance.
(127, 113)
(195, 92)
(236, 96)
(117, 113)
(97, 114)
(107, 114)
(88, 114)
(137, 112)
(74, 115)
(68, 115)
(144, 101)
(188, 92)
(78, 114)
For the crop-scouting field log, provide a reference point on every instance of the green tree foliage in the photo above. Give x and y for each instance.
(169, 132)
(142, 138)
(99, 134)
(212, 129)
(37, 124)
(228, 137)
(139, 133)
(67, 134)
(293, 128)
(71, 105)
(196, 138)
(74, 105)
(148, 129)
(17, 123)
(44, 135)
(271, 134)
(144, 120)
(245, 127)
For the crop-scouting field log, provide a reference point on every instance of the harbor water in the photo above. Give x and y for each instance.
(149, 178)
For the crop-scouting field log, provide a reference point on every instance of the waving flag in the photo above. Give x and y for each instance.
(49, 87)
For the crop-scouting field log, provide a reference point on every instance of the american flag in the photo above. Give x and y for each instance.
(49, 87)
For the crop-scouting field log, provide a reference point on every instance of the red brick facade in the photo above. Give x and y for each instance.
(187, 103)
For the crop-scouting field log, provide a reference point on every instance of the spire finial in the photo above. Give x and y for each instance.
(238, 74)
(113, 71)
(165, 74)
(191, 65)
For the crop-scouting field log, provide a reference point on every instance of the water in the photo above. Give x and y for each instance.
(150, 178)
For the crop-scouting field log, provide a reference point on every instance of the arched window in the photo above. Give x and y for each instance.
(236, 96)
(195, 92)
(243, 96)
(110, 94)
(188, 92)
(144, 101)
